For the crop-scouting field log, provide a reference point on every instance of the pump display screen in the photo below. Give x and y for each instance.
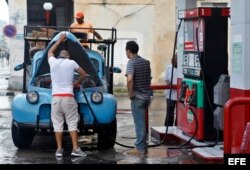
(194, 34)
(189, 35)
(191, 65)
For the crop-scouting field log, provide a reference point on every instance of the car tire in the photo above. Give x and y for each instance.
(22, 138)
(107, 136)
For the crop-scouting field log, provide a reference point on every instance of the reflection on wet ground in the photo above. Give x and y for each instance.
(43, 148)
(5, 103)
(4, 75)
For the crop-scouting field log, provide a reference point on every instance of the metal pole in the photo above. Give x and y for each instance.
(228, 120)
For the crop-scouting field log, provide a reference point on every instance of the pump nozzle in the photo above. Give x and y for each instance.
(189, 94)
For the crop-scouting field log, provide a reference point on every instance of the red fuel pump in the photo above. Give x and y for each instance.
(205, 58)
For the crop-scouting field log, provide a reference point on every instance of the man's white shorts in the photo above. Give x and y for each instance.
(64, 108)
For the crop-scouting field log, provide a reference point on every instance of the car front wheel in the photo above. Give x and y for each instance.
(22, 138)
(107, 136)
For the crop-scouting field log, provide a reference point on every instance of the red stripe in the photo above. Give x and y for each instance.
(63, 95)
(206, 12)
(189, 45)
(225, 12)
(192, 13)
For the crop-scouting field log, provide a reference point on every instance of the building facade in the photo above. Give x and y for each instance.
(151, 23)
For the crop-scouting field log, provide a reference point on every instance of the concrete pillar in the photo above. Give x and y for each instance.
(239, 72)
(181, 5)
(240, 42)
(18, 18)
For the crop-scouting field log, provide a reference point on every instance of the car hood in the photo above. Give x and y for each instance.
(77, 53)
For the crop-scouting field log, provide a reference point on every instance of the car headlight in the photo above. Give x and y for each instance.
(96, 97)
(32, 97)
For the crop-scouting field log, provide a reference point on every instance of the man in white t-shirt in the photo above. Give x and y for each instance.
(171, 102)
(63, 104)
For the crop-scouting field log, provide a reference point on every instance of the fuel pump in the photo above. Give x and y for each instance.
(204, 59)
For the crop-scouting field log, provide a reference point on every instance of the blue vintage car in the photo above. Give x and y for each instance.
(97, 106)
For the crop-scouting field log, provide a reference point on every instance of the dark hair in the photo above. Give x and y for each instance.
(132, 46)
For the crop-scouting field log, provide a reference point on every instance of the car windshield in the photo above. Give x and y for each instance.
(78, 54)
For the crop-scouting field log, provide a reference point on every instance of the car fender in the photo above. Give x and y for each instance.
(105, 112)
(23, 111)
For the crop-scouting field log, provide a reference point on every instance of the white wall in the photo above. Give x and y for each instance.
(151, 22)
(18, 18)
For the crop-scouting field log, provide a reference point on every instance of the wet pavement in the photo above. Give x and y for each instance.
(4, 75)
(43, 148)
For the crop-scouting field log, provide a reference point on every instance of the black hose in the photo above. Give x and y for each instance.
(90, 108)
(171, 85)
(205, 86)
(191, 109)
(170, 95)
(95, 122)
(195, 132)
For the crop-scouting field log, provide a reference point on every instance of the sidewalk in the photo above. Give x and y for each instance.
(7, 93)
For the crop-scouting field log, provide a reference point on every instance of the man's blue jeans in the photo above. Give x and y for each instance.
(139, 108)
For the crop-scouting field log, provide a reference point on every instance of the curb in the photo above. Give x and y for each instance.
(122, 111)
(8, 93)
(126, 95)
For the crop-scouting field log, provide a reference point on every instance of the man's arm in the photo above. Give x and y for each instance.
(130, 86)
(52, 50)
(98, 36)
(71, 28)
(81, 77)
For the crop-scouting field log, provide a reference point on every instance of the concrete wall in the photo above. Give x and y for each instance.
(152, 23)
(212, 1)
(18, 18)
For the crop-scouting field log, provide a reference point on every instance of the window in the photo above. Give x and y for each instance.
(213, 4)
(96, 64)
(61, 13)
(120, 58)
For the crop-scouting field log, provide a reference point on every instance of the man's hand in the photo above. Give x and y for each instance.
(63, 37)
(76, 87)
(52, 50)
(82, 73)
(130, 83)
(131, 96)
(87, 75)
(76, 84)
